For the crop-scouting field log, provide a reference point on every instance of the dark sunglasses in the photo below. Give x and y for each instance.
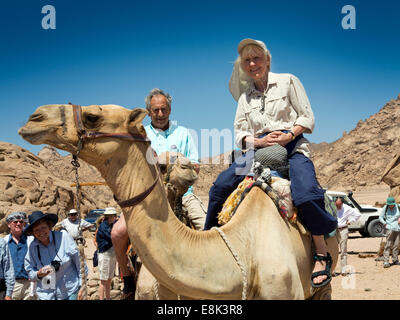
(18, 221)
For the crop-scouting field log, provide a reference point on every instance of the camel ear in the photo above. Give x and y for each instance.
(136, 117)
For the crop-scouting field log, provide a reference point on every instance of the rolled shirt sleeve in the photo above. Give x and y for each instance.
(242, 125)
(382, 215)
(85, 224)
(301, 104)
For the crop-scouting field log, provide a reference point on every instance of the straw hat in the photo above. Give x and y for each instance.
(110, 211)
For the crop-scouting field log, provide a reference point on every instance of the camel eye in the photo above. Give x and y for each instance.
(91, 120)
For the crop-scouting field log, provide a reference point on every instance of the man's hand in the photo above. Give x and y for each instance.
(43, 272)
(7, 298)
(196, 167)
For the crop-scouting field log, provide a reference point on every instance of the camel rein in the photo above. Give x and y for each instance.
(85, 134)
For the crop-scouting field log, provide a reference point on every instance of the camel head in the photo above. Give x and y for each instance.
(177, 170)
(55, 125)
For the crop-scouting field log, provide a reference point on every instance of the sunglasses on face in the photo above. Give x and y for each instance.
(18, 221)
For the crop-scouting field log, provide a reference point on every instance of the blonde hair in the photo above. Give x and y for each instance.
(240, 81)
(253, 50)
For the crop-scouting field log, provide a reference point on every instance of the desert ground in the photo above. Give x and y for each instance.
(368, 279)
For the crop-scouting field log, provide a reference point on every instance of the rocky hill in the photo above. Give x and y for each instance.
(29, 182)
(359, 158)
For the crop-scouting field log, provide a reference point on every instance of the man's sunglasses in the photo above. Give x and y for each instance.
(18, 221)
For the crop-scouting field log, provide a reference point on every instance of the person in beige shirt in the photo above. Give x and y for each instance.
(274, 109)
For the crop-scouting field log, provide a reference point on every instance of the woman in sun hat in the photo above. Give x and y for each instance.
(274, 109)
(106, 253)
(52, 259)
(390, 218)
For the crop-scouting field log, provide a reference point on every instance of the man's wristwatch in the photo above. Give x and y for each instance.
(293, 136)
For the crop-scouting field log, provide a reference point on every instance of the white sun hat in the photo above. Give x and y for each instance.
(110, 211)
(246, 42)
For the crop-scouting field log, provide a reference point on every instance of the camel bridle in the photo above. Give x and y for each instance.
(86, 134)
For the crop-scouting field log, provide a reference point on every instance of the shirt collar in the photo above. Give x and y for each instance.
(21, 240)
(172, 126)
(272, 79)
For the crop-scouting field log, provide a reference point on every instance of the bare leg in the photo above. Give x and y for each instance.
(102, 289)
(120, 240)
(320, 249)
(105, 289)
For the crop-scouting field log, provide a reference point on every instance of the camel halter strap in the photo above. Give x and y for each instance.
(85, 134)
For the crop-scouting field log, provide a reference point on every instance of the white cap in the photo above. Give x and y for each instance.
(246, 42)
(110, 211)
(72, 211)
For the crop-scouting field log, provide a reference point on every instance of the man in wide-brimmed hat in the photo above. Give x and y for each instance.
(52, 259)
(390, 218)
(75, 226)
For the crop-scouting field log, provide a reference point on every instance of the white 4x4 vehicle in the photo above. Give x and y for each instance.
(368, 225)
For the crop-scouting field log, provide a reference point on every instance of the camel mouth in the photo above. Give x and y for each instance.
(33, 136)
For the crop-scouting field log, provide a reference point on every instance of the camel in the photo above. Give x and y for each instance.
(272, 259)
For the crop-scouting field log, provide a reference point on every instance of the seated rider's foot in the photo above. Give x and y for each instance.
(319, 266)
(321, 274)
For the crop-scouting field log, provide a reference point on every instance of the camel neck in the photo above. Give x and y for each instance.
(176, 254)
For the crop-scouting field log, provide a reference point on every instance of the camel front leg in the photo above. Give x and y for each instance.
(148, 288)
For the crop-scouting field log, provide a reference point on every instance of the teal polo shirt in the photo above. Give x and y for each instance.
(174, 139)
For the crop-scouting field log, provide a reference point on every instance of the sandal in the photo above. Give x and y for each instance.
(326, 272)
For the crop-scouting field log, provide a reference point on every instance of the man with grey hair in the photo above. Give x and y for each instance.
(165, 136)
(18, 244)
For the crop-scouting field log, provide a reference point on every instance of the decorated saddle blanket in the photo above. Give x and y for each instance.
(279, 191)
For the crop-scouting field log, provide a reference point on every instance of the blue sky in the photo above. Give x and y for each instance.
(104, 52)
